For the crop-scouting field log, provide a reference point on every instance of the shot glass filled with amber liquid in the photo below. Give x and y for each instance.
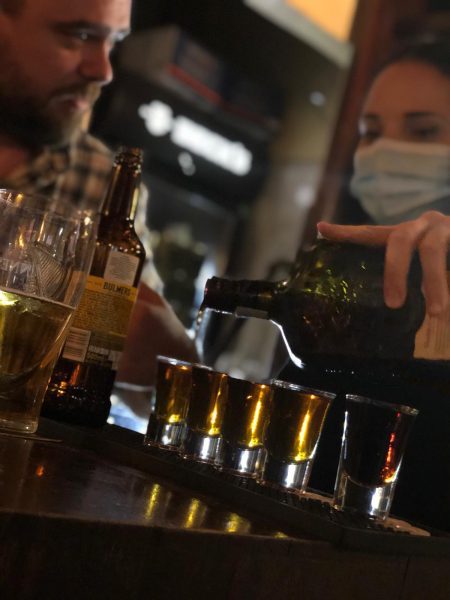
(167, 422)
(205, 414)
(244, 426)
(297, 415)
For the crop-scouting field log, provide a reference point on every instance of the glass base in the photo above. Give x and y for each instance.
(18, 427)
(370, 501)
(242, 461)
(203, 448)
(289, 475)
(169, 436)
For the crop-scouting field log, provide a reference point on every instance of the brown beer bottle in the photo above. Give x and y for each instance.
(81, 383)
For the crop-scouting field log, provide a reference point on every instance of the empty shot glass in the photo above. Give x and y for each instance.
(296, 418)
(244, 425)
(167, 422)
(205, 415)
(373, 444)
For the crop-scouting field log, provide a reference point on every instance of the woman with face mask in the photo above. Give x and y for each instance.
(402, 163)
(401, 181)
(402, 170)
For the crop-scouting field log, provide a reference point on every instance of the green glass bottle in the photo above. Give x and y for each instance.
(331, 309)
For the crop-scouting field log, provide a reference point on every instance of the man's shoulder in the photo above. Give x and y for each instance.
(87, 176)
(90, 142)
(91, 151)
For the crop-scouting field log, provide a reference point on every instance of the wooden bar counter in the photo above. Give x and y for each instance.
(93, 514)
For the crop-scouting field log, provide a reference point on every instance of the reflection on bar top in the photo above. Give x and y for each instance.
(55, 479)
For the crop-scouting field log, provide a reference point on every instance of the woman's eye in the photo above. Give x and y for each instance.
(369, 130)
(369, 136)
(425, 133)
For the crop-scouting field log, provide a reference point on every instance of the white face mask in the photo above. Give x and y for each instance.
(396, 181)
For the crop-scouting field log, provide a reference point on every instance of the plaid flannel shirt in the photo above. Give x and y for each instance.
(78, 173)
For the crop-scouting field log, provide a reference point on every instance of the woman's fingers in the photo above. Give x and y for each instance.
(429, 235)
(369, 235)
(401, 243)
(433, 251)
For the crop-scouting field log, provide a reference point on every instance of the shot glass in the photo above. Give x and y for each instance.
(205, 415)
(244, 425)
(296, 418)
(167, 422)
(373, 444)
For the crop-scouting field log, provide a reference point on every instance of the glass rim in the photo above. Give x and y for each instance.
(303, 388)
(50, 206)
(403, 408)
(198, 365)
(249, 381)
(202, 367)
(162, 358)
(16, 193)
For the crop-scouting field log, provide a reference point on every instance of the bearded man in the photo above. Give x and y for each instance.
(54, 60)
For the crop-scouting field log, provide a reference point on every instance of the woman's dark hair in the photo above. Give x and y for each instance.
(432, 49)
(11, 7)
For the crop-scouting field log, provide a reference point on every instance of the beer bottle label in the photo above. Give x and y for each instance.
(433, 338)
(98, 331)
(121, 267)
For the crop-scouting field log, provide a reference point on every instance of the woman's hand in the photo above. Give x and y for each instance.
(429, 235)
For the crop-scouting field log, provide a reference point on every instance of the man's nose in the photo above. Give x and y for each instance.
(95, 65)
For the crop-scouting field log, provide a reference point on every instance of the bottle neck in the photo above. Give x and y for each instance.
(121, 197)
(243, 297)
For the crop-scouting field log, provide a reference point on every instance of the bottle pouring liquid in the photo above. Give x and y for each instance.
(331, 310)
(341, 337)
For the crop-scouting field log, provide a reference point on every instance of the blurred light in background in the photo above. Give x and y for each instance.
(322, 24)
(334, 16)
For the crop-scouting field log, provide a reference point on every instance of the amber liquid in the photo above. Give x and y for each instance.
(32, 330)
(173, 392)
(246, 413)
(208, 401)
(296, 421)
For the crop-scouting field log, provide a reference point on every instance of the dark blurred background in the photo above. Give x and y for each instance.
(247, 112)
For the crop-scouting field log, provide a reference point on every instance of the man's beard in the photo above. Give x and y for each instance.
(32, 123)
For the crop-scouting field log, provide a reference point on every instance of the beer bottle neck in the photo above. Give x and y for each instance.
(121, 197)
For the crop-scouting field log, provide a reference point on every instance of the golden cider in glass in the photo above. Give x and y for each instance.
(246, 413)
(32, 330)
(173, 390)
(208, 400)
(296, 420)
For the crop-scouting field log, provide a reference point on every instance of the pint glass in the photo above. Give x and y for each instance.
(45, 252)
